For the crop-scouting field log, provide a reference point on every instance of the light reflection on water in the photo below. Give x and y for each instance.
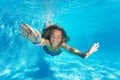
(21, 60)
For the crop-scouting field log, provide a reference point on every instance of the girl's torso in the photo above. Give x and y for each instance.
(52, 50)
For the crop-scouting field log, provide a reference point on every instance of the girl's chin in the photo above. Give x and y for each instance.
(55, 44)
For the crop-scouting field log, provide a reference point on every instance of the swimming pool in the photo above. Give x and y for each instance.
(85, 22)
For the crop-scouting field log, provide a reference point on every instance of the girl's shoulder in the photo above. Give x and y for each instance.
(63, 44)
(46, 42)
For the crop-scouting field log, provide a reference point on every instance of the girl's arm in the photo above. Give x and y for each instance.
(81, 54)
(32, 35)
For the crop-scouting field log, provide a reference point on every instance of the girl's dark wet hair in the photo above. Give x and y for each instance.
(48, 31)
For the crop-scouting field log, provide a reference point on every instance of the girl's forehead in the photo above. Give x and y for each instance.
(56, 32)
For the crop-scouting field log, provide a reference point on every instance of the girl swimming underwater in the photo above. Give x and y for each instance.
(53, 39)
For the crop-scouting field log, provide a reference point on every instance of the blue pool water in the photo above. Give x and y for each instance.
(85, 21)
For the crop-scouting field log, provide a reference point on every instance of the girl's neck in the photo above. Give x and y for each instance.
(54, 47)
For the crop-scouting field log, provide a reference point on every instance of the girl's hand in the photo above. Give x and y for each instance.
(93, 49)
(29, 33)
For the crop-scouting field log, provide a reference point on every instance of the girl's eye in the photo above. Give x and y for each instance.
(58, 36)
(52, 36)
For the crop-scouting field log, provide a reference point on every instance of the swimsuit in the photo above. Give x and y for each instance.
(52, 53)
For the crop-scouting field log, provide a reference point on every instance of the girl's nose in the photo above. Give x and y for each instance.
(55, 39)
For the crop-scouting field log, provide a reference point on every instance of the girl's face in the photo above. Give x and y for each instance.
(56, 37)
